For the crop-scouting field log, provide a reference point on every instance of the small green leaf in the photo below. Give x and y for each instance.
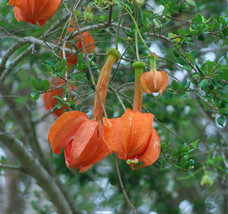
(37, 84)
(221, 121)
(189, 57)
(195, 143)
(45, 85)
(204, 84)
(198, 19)
(35, 95)
(81, 59)
(77, 13)
(174, 85)
(191, 2)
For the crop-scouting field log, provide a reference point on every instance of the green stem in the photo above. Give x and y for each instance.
(136, 34)
(138, 92)
(136, 26)
(117, 30)
(152, 60)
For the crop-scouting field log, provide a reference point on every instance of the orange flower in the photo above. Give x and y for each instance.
(133, 137)
(154, 81)
(50, 101)
(33, 11)
(81, 138)
(88, 42)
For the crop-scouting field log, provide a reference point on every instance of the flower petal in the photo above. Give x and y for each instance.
(152, 152)
(112, 136)
(94, 151)
(135, 131)
(64, 128)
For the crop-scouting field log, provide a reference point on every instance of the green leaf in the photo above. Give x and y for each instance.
(189, 57)
(81, 59)
(37, 84)
(198, 19)
(204, 84)
(195, 143)
(174, 85)
(191, 2)
(221, 121)
(51, 64)
(45, 85)
(35, 95)
(77, 13)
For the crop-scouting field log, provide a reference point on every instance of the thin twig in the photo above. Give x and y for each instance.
(122, 186)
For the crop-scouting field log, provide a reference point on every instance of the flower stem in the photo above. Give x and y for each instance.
(122, 186)
(138, 92)
(136, 34)
(103, 81)
(152, 60)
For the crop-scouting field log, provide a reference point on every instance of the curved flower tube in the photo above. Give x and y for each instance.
(133, 137)
(33, 11)
(50, 101)
(81, 138)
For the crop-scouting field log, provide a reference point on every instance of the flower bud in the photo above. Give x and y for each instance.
(154, 81)
(207, 180)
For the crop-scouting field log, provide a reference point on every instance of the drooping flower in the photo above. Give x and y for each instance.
(154, 81)
(33, 11)
(50, 101)
(81, 137)
(77, 44)
(133, 137)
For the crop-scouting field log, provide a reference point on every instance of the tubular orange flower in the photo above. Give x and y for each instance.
(154, 81)
(88, 42)
(81, 137)
(50, 101)
(133, 137)
(33, 11)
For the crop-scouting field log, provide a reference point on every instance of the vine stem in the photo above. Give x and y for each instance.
(136, 26)
(122, 186)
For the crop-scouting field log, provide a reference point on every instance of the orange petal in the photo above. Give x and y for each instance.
(135, 131)
(94, 151)
(112, 136)
(48, 11)
(152, 152)
(82, 137)
(147, 82)
(64, 128)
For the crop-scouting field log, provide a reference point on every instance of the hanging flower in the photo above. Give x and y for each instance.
(88, 42)
(50, 101)
(33, 11)
(81, 138)
(133, 137)
(154, 81)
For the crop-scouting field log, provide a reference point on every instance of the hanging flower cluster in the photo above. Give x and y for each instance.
(86, 141)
